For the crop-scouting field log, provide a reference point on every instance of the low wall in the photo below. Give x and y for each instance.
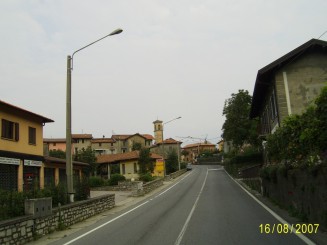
(177, 173)
(150, 186)
(27, 228)
(122, 186)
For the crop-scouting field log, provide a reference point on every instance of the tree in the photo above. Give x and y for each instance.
(88, 156)
(238, 127)
(136, 146)
(171, 162)
(57, 153)
(145, 161)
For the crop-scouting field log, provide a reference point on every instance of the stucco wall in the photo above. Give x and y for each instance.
(305, 76)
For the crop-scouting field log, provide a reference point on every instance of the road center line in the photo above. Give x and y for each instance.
(181, 234)
(123, 214)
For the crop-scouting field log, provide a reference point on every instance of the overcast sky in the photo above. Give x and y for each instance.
(174, 58)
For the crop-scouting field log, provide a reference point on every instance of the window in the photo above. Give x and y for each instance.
(100, 144)
(82, 141)
(9, 130)
(31, 136)
(273, 105)
(54, 144)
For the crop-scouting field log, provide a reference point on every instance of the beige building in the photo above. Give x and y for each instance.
(125, 142)
(21, 147)
(167, 146)
(289, 84)
(125, 164)
(22, 164)
(103, 146)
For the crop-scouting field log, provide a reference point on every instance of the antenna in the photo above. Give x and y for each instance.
(322, 34)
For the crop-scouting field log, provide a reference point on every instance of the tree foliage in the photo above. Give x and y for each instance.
(145, 161)
(171, 162)
(88, 156)
(302, 139)
(57, 153)
(136, 146)
(237, 127)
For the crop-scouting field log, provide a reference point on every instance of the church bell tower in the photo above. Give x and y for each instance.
(158, 130)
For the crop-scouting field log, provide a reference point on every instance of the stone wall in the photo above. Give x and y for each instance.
(302, 192)
(177, 173)
(122, 186)
(150, 186)
(25, 229)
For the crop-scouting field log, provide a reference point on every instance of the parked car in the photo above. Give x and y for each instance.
(189, 167)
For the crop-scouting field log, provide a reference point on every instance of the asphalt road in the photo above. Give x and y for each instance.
(204, 207)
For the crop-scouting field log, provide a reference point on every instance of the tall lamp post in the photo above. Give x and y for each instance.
(163, 149)
(69, 165)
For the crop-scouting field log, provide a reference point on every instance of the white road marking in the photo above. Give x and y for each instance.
(181, 234)
(118, 217)
(280, 219)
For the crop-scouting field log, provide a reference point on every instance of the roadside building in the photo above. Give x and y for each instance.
(21, 147)
(126, 164)
(289, 84)
(22, 162)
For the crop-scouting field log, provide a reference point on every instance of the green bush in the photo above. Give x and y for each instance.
(302, 139)
(114, 178)
(82, 188)
(146, 177)
(96, 181)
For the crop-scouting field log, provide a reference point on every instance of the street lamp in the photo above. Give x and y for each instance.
(69, 165)
(163, 149)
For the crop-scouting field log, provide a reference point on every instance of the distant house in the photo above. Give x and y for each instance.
(167, 146)
(81, 141)
(103, 146)
(220, 145)
(289, 84)
(116, 144)
(123, 163)
(194, 150)
(54, 144)
(125, 142)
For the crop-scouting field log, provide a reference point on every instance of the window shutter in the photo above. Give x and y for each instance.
(16, 131)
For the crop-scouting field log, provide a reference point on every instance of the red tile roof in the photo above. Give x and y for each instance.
(57, 140)
(103, 140)
(82, 136)
(123, 156)
(126, 136)
(198, 144)
(170, 141)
